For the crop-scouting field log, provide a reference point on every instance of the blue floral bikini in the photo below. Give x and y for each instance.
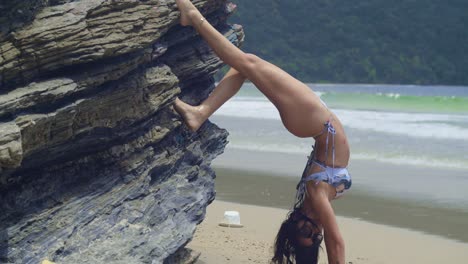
(338, 177)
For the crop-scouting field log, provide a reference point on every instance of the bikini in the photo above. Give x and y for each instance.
(338, 177)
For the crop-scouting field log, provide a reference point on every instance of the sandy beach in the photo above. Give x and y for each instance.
(269, 179)
(366, 243)
(408, 201)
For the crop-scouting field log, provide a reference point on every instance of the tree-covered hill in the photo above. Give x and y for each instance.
(360, 41)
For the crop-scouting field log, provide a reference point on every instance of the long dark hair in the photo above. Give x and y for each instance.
(287, 247)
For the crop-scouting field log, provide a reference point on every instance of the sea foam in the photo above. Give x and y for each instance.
(427, 125)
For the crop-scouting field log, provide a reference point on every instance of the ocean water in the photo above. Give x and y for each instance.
(407, 142)
(418, 125)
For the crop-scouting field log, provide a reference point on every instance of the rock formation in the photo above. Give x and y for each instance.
(95, 165)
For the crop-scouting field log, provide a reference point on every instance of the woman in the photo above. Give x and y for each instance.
(304, 115)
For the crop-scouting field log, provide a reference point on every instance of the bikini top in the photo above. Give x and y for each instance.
(330, 130)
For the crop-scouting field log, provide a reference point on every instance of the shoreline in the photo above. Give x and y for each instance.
(255, 188)
(269, 179)
(366, 243)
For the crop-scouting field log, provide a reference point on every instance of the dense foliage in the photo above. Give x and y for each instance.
(360, 41)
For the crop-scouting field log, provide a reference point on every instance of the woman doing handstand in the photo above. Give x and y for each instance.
(304, 115)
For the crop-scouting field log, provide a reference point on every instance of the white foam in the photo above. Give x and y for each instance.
(400, 160)
(437, 126)
(280, 148)
(412, 160)
(249, 108)
(393, 95)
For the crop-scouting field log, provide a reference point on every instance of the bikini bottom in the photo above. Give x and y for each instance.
(337, 177)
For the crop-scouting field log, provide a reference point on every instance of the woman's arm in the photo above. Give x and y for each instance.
(333, 239)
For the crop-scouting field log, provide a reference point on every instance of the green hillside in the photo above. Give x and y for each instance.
(361, 41)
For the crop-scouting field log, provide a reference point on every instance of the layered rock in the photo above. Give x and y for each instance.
(96, 166)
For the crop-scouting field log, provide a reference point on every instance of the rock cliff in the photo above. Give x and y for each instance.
(95, 165)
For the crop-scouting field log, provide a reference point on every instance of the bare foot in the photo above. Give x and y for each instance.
(192, 115)
(188, 12)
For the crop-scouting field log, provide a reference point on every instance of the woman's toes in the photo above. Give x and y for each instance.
(190, 114)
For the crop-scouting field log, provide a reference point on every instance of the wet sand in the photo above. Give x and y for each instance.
(268, 179)
(256, 188)
(384, 218)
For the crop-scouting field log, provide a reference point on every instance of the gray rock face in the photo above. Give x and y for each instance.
(95, 165)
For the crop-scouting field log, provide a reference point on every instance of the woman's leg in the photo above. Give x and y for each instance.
(295, 101)
(195, 116)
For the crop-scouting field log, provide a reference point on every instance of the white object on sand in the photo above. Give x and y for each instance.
(231, 219)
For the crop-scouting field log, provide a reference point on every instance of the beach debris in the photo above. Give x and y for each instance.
(231, 219)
